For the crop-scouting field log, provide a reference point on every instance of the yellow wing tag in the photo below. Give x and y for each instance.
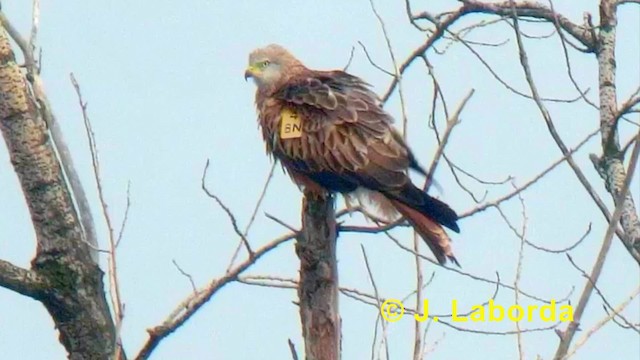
(290, 124)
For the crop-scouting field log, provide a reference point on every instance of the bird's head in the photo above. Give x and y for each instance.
(268, 65)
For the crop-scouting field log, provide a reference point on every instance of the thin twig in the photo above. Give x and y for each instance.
(524, 62)
(451, 123)
(292, 348)
(187, 275)
(563, 42)
(535, 179)
(378, 302)
(563, 250)
(35, 24)
(256, 208)
(516, 282)
(346, 67)
(114, 285)
(417, 325)
(607, 305)
(269, 216)
(372, 62)
(396, 70)
(476, 277)
(126, 215)
(226, 209)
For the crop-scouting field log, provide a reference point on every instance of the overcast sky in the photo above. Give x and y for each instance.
(165, 89)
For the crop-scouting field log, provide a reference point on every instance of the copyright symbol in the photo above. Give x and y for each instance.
(392, 310)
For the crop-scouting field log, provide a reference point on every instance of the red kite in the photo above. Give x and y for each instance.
(330, 133)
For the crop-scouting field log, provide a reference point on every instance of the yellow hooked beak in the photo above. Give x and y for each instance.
(250, 72)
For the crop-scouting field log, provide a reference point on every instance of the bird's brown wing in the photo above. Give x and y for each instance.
(340, 111)
(348, 141)
(341, 97)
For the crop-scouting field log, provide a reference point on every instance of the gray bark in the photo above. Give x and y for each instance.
(610, 166)
(318, 288)
(63, 276)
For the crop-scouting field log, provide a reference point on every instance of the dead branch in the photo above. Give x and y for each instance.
(23, 281)
(564, 250)
(564, 42)
(79, 197)
(114, 285)
(254, 213)
(618, 309)
(532, 9)
(606, 304)
(61, 245)
(192, 303)
(421, 50)
(610, 165)
(378, 301)
(292, 348)
(524, 62)
(526, 9)
(568, 334)
(451, 123)
(620, 2)
(417, 325)
(396, 70)
(187, 275)
(318, 289)
(226, 209)
(526, 185)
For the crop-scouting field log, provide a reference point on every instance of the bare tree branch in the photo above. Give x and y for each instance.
(22, 281)
(59, 144)
(610, 165)
(602, 322)
(564, 250)
(567, 336)
(556, 137)
(224, 207)
(292, 348)
(76, 299)
(606, 305)
(451, 123)
(534, 10)
(526, 185)
(396, 71)
(190, 305)
(114, 285)
(620, 2)
(256, 208)
(378, 301)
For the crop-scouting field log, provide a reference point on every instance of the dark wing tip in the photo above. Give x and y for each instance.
(454, 225)
(455, 261)
(442, 213)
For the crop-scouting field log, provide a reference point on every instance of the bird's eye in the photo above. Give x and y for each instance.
(264, 64)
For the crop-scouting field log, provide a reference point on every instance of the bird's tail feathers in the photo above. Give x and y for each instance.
(432, 232)
(433, 208)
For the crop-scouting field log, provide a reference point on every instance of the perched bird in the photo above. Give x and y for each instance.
(329, 131)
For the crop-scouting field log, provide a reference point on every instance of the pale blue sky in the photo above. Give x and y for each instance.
(165, 90)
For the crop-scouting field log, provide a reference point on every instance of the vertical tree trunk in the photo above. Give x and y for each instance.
(610, 165)
(70, 283)
(318, 289)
